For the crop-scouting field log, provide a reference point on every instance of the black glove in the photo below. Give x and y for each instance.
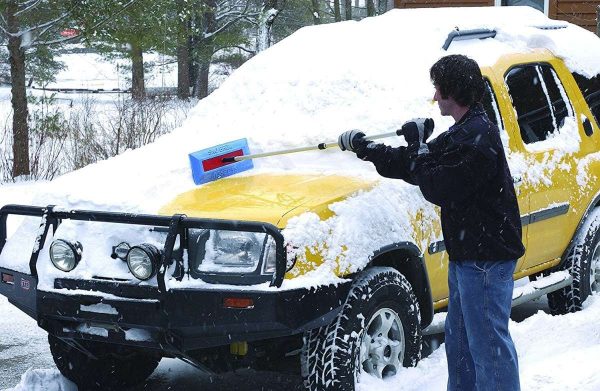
(352, 140)
(416, 132)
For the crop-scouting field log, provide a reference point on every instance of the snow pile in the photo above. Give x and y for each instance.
(44, 380)
(555, 353)
(307, 89)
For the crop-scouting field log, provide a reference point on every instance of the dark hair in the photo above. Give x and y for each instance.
(458, 77)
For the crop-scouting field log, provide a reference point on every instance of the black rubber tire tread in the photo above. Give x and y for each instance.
(109, 372)
(330, 354)
(578, 264)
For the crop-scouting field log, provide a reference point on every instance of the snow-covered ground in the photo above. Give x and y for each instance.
(556, 353)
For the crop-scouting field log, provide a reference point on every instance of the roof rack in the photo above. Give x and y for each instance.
(461, 35)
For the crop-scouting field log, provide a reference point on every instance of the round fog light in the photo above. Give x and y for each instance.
(65, 255)
(143, 261)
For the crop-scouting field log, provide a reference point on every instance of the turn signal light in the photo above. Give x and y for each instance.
(238, 302)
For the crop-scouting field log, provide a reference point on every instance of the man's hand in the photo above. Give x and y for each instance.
(416, 132)
(351, 140)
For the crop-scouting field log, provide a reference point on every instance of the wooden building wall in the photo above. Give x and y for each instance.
(579, 12)
(441, 3)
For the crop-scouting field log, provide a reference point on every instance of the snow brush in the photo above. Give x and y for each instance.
(233, 157)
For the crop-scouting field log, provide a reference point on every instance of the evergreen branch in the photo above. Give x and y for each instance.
(28, 5)
(78, 36)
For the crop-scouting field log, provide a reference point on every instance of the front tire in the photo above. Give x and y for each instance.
(583, 263)
(376, 333)
(116, 367)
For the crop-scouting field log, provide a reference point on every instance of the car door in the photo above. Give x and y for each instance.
(545, 155)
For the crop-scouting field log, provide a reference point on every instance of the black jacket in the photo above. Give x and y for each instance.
(466, 174)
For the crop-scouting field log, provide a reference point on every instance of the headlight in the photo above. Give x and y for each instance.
(231, 251)
(65, 255)
(143, 261)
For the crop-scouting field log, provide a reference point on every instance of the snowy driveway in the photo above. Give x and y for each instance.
(24, 351)
(555, 353)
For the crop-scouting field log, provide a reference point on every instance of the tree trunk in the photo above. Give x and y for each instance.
(19, 96)
(203, 72)
(348, 9)
(183, 68)
(370, 8)
(337, 13)
(316, 13)
(206, 51)
(138, 90)
(598, 21)
(183, 56)
(267, 16)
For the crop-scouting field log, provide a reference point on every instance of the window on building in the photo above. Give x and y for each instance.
(541, 5)
(590, 88)
(539, 99)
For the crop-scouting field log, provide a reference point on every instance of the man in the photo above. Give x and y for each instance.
(464, 171)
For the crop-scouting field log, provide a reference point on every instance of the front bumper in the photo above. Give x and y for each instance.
(175, 322)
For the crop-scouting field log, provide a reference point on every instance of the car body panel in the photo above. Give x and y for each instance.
(271, 198)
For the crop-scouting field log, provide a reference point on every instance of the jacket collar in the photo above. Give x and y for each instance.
(474, 111)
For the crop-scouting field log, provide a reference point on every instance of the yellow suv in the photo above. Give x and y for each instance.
(260, 270)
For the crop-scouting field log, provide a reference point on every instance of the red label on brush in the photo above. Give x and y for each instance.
(216, 162)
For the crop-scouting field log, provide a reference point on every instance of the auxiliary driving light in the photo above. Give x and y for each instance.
(143, 261)
(65, 255)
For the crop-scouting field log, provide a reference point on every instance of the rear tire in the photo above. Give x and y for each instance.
(583, 263)
(116, 367)
(376, 332)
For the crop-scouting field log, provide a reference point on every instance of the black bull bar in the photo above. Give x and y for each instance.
(176, 224)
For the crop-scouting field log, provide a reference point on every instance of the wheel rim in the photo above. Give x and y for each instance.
(383, 345)
(595, 270)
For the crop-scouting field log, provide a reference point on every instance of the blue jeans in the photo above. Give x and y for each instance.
(481, 354)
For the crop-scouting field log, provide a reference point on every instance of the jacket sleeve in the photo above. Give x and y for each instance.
(390, 162)
(454, 175)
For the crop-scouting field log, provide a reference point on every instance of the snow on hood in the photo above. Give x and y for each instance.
(371, 75)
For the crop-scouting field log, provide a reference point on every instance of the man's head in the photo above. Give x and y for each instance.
(458, 84)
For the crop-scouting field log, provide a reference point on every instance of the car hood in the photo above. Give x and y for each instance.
(271, 198)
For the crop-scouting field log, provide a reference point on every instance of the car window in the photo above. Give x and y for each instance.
(590, 88)
(539, 99)
(490, 105)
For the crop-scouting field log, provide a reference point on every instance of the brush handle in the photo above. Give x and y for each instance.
(304, 149)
